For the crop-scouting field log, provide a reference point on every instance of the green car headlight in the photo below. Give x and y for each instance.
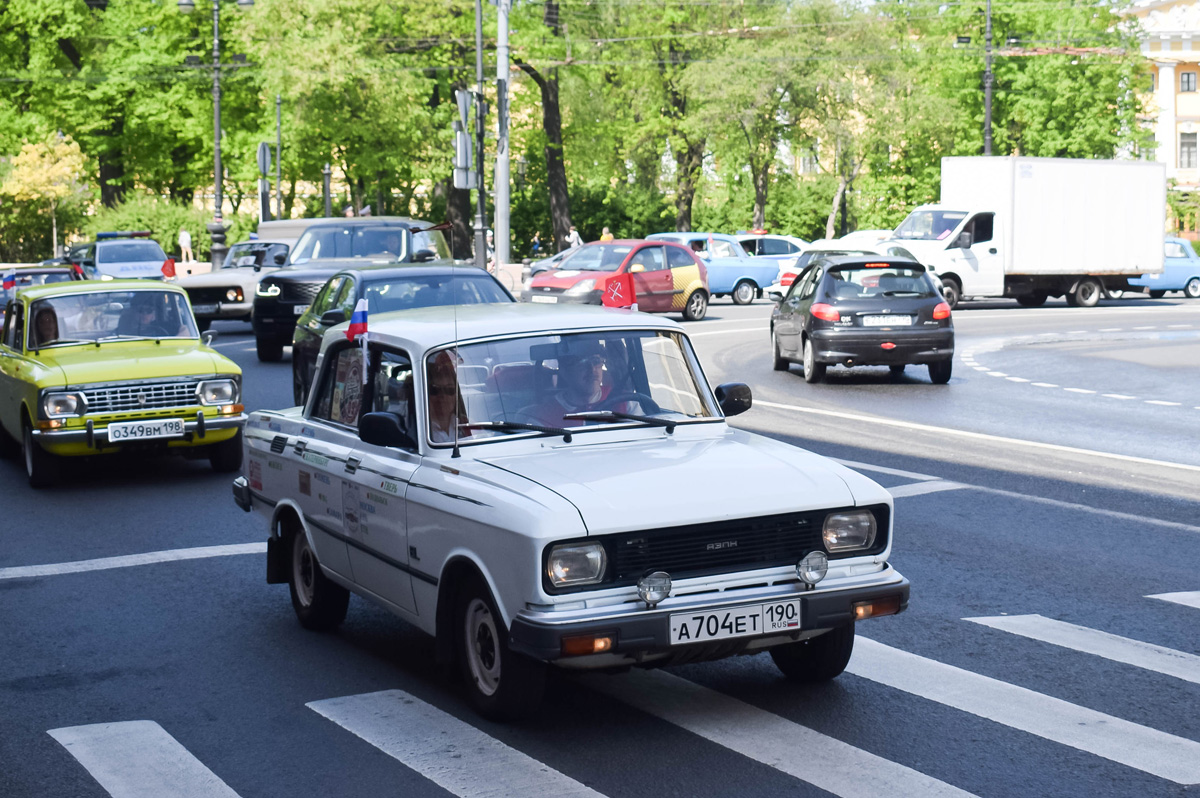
(217, 392)
(576, 564)
(58, 405)
(848, 531)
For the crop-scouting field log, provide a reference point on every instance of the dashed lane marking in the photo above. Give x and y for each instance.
(1044, 385)
(1101, 644)
(1118, 396)
(1078, 390)
(126, 561)
(878, 469)
(921, 488)
(1161, 403)
(1191, 599)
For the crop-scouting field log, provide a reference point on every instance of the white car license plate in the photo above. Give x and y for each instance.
(204, 310)
(756, 619)
(887, 321)
(141, 430)
(299, 309)
(548, 300)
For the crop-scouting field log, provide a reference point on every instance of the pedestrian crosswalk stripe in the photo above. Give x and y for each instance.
(455, 755)
(820, 760)
(1186, 599)
(1158, 753)
(139, 759)
(1102, 644)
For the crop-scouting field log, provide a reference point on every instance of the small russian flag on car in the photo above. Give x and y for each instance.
(10, 280)
(358, 321)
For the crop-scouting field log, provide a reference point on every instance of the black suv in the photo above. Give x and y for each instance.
(325, 247)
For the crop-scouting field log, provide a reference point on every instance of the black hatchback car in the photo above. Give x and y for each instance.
(386, 288)
(863, 311)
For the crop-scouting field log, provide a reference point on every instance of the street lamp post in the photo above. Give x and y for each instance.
(216, 227)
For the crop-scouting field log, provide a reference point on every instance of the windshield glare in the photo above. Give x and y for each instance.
(384, 243)
(255, 254)
(98, 315)
(929, 225)
(539, 380)
(433, 291)
(597, 258)
(125, 251)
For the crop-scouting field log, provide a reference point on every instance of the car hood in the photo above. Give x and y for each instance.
(121, 361)
(133, 269)
(565, 278)
(240, 275)
(922, 250)
(659, 482)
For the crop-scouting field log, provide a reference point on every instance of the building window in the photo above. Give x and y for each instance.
(810, 160)
(1187, 150)
(1153, 81)
(1187, 81)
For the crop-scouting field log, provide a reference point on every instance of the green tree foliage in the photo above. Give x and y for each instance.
(164, 219)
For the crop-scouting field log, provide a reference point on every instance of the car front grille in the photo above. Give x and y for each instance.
(144, 396)
(209, 296)
(299, 292)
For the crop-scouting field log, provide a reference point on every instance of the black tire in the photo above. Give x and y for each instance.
(269, 351)
(951, 292)
(778, 362)
(1032, 300)
(203, 324)
(320, 604)
(696, 306)
(1086, 294)
(1192, 289)
(501, 684)
(1157, 294)
(817, 659)
(299, 386)
(743, 292)
(41, 467)
(813, 371)
(939, 371)
(897, 369)
(9, 446)
(226, 456)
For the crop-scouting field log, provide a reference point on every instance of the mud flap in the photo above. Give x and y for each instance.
(278, 562)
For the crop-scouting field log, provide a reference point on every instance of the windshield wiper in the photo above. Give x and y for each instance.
(513, 425)
(611, 415)
(121, 337)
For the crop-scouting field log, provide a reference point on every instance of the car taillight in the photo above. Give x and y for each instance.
(942, 311)
(787, 279)
(825, 312)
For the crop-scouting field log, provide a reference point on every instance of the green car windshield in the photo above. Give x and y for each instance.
(98, 316)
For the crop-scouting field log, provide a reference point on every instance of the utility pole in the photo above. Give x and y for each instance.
(278, 156)
(502, 151)
(326, 173)
(217, 228)
(480, 110)
(987, 83)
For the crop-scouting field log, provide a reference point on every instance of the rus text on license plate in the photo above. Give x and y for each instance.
(299, 309)
(757, 619)
(543, 298)
(887, 321)
(141, 430)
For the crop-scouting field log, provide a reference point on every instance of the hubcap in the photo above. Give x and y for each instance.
(304, 569)
(483, 649)
(1193, 288)
(745, 292)
(697, 304)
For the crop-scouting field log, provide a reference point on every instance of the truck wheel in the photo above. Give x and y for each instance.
(269, 351)
(939, 371)
(813, 371)
(743, 293)
(1192, 289)
(502, 684)
(777, 363)
(226, 456)
(1033, 300)
(319, 603)
(951, 292)
(41, 467)
(817, 659)
(696, 306)
(1157, 294)
(1087, 293)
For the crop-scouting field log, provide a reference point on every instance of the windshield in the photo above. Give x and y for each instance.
(431, 291)
(27, 279)
(384, 243)
(539, 380)
(255, 254)
(109, 315)
(850, 282)
(929, 225)
(125, 251)
(597, 258)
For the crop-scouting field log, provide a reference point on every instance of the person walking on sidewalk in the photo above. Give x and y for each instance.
(185, 245)
(573, 238)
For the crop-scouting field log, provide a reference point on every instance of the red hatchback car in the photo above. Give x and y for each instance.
(667, 277)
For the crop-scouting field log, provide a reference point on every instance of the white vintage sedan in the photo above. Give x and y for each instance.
(543, 486)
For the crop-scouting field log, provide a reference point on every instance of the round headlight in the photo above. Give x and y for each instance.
(217, 392)
(654, 587)
(813, 567)
(576, 564)
(233, 295)
(848, 531)
(57, 405)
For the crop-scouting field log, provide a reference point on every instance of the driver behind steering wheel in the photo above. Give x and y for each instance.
(581, 370)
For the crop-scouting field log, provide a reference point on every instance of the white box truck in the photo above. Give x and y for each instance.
(1033, 228)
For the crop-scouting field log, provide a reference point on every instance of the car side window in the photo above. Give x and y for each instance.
(345, 297)
(773, 246)
(797, 287)
(650, 257)
(1174, 250)
(723, 249)
(324, 300)
(340, 399)
(12, 327)
(392, 387)
(810, 285)
(752, 246)
(678, 258)
(980, 228)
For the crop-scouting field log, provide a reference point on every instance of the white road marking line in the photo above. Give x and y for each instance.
(921, 488)
(138, 759)
(1191, 599)
(1077, 332)
(105, 563)
(980, 368)
(1078, 390)
(1044, 384)
(996, 374)
(1161, 403)
(1149, 750)
(1151, 327)
(1101, 644)
(1017, 379)
(896, 472)
(887, 422)
(1087, 508)
(452, 754)
(1109, 329)
(820, 760)
(1118, 396)
(1179, 326)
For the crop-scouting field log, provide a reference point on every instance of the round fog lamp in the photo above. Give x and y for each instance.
(813, 567)
(654, 588)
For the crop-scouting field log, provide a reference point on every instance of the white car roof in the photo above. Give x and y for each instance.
(423, 329)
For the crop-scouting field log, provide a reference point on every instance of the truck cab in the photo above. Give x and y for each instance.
(960, 245)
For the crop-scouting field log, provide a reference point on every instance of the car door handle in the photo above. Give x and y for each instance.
(992, 251)
(352, 464)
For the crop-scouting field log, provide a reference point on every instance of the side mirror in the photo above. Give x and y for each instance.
(775, 296)
(384, 429)
(423, 255)
(637, 268)
(280, 259)
(333, 316)
(964, 241)
(734, 398)
(208, 336)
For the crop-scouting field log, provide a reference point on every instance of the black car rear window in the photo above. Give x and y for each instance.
(125, 251)
(859, 282)
(403, 293)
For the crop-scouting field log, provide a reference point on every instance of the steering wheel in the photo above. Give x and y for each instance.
(648, 404)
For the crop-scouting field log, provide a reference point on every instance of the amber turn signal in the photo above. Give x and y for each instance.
(889, 605)
(586, 644)
(228, 410)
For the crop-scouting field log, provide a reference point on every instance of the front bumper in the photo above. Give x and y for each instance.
(223, 310)
(858, 347)
(642, 636)
(199, 430)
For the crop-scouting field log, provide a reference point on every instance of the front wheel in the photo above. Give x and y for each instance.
(778, 363)
(299, 386)
(1086, 294)
(41, 467)
(817, 659)
(502, 684)
(951, 292)
(1192, 289)
(939, 372)
(813, 371)
(1033, 300)
(696, 306)
(226, 456)
(320, 604)
(743, 293)
(269, 351)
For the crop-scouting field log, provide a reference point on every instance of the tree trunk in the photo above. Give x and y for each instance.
(289, 199)
(53, 231)
(688, 163)
(837, 203)
(556, 171)
(458, 214)
(762, 178)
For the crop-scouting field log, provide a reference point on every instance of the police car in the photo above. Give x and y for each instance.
(125, 254)
(544, 486)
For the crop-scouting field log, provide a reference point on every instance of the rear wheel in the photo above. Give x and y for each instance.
(1157, 294)
(41, 467)
(502, 684)
(939, 372)
(813, 371)
(226, 456)
(269, 351)
(696, 306)
(778, 363)
(1086, 294)
(1032, 300)
(743, 293)
(320, 604)
(897, 369)
(817, 659)
(299, 386)
(951, 291)
(1192, 289)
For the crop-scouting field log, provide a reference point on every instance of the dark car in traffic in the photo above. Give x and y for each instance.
(863, 311)
(386, 288)
(327, 246)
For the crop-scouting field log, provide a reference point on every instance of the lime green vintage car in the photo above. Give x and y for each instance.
(92, 368)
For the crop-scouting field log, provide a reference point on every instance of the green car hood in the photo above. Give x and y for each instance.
(122, 361)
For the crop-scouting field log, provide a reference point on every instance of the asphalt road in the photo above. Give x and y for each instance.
(1046, 506)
